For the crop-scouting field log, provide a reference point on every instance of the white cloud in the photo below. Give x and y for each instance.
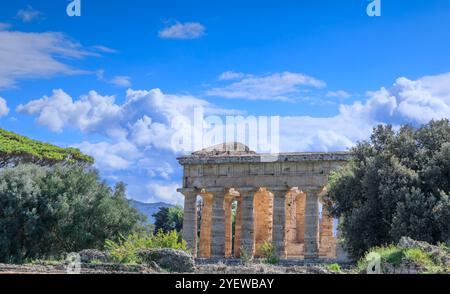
(4, 110)
(29, 14)
(37, 55)
(413, 102)
(138, 132)
(188, 30)
(277, 86)
(116, 156)
(166, 193)
(104, 49)
(90, 113)
(121, 81)
(338, 94)
(231, 75)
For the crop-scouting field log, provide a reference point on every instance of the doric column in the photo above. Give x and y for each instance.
(218, 225)
(279, 221)
(238, 228)
(190, 221)
(300, 210)
(228, 224)
(327, 241)
(247, 224)
(312, 224)
(205, 229)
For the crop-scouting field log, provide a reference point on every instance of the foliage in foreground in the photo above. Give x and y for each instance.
(46, 212)
(269, 253)
(125, 249)
(169, 219)
(395, 256)
(397, 184)
(16, 149)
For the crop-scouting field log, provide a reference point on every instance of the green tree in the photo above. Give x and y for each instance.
(397, 184)
(169, 219)
(46, 211)
(16, 149)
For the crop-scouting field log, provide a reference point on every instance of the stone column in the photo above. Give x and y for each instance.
(326, 234)
(228, 225)
(279, 222)
(218, 226)
(300, 210)
(190, 221)
(238, 228)
(247, 224)
(312, 224)
(205, 229)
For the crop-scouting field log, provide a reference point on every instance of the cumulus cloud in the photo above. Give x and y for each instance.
(166, 192)
(121, 81)
(37, 55)
(407, 101)
(4, 110)
(138, 132)
(188, 30)
(29, 14)
(277, 86)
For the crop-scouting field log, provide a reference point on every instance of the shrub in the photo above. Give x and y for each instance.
(125, 250)
(335, 267)
(46, 211)
(269, 253)
(245, 255)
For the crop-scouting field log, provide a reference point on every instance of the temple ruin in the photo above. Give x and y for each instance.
(276, 199)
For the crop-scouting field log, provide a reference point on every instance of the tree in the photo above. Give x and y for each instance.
(169, 219)
(47, 211)
(16, 149)
(397, 184)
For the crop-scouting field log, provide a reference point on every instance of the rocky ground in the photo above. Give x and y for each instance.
(161, 261)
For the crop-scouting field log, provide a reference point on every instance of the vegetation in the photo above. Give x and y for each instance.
(16, 149)
(396, 256)
(245, 255)
(269, 253)
(397, 184)
(126, 248)
(48, 211)
(335, 267)
(169, 219)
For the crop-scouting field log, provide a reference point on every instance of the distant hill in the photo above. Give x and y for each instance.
(149, 209)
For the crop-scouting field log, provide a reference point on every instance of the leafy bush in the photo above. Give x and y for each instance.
(269, 253)
(334, 267)
(126, 248)
(397, 184)
(48, 211)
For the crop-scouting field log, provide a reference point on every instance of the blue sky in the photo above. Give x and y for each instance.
(326, 68)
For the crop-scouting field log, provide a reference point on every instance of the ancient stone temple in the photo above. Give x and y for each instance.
(276, 199)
